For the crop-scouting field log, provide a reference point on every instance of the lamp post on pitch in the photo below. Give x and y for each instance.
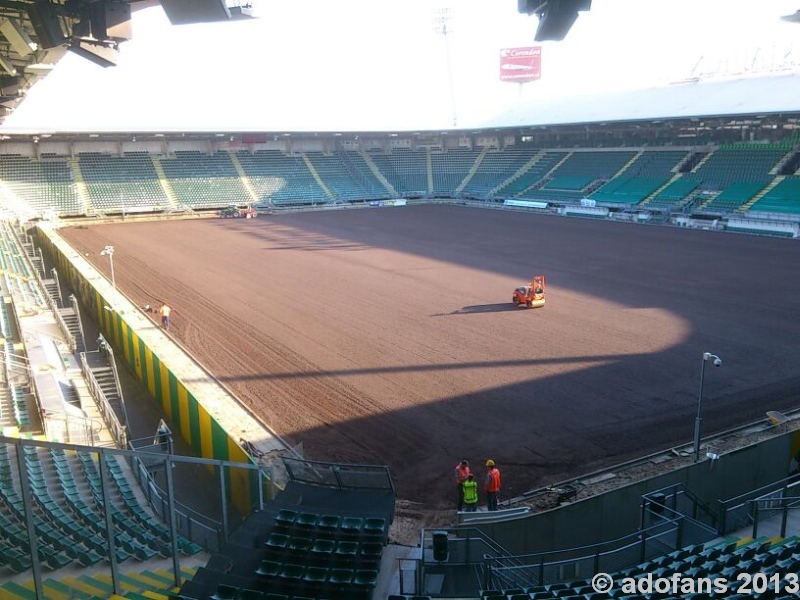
(698, 421)
(109, 252)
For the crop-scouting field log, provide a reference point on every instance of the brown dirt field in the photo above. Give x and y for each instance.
(388, 336)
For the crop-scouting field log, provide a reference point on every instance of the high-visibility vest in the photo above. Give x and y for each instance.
(461, 473)
(493, 480)
(470, 491)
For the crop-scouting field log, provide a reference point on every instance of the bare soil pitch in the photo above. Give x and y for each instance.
(388, 336)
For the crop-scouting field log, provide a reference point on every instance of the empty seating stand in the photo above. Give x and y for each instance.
(406, 169)
(450, 168)
(281, 179)
(496, 168)
(44, 184)
(782, 199)
(204, 181)
(122, 183)
(319, 555)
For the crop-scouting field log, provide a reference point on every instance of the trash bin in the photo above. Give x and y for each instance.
(440, 546)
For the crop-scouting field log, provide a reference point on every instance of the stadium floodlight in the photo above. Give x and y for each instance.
(699, 419)
(442, 24)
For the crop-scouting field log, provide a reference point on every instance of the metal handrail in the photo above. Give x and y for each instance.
(118, 430)
(729, 505)
(92, 427)
(785, 505)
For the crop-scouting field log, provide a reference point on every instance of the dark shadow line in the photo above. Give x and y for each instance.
(423, 368)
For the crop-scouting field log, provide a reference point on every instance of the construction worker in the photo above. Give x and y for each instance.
(164, 312)
(470, 490)
(462, 472)
(102, 345)
(492, 485)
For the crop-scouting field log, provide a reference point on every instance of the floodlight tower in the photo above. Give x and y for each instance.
(442, 25)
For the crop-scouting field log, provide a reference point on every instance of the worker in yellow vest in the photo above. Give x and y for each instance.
(470, 487)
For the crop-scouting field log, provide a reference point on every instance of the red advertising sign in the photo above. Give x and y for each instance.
(521, 64)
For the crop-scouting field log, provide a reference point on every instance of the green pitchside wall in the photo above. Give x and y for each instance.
(185, 412)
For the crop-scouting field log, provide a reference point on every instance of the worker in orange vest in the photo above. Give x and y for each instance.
(492, 485)
(462, 472)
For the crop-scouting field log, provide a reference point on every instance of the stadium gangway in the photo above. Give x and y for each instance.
(783, 509)
(116, 424)
(606, 557)
(736, 512)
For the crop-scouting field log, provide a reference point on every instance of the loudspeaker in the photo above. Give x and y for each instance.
(46, 25)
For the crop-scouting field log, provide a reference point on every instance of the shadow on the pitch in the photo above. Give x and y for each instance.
(483, 308)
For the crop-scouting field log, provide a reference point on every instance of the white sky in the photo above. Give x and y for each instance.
(355, 65)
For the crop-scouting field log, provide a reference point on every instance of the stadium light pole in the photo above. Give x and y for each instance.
(698, 421)
(109, 252)
(441, 25)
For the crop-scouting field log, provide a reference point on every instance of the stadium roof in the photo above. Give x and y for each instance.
(35, 34)
(190, 72)
(742, 96)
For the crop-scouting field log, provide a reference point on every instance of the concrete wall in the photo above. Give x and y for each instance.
(616, 513)
(187, 406)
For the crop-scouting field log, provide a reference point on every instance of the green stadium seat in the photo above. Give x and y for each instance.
(285, 517)
(365, 577)
(341, 577)
(248, 594)
(306, 520)
(292, 571)
(269, 568)
(346, 552)
(315, 575)
(225, 592)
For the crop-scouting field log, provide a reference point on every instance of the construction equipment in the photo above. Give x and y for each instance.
(530, 295)
(235, 212)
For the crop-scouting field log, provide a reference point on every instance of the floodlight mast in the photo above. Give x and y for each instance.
(442, 26)
(109, 252)
(699, 419)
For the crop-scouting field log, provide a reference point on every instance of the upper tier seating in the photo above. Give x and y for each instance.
(725, 167)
